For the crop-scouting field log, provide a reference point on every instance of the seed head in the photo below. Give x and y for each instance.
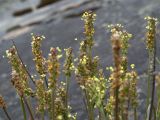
(88, 18)
(2, 102)
(68, 65)
(38, 58)
(151, 31)
(53, 67)
(41, 95)
(19, 75)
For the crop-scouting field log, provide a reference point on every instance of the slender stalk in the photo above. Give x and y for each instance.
(67, 94)
(6, 113)
(148, 89)
(67, 90)
(23, 63)
(135, 114)
(102, 113)
(23, 108)
(29, 109)
(53, 103)
(89, 107)
(85, 104)
(91, 113)
(154, 111)
(128, 104)
(116, 110)
(125, 115)
(158, 110)
(45, 79)
(153, 68)
(30, 104)
(158, 104)
(43, 114)
(84, 101)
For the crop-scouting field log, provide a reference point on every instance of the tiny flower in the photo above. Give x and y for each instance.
(132, 66)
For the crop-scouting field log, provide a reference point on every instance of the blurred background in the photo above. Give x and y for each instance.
(60, 22)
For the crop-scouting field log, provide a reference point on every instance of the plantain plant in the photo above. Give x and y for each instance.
(112, 97)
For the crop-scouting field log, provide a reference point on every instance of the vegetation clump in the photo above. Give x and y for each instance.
(112, 97)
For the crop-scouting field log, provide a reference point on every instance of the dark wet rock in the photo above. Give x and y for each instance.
(22, 12)
(32, 6)
(78, 11)
(39, 15)
(61, 24)
(46, 2)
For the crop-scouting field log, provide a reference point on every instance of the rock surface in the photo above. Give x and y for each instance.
(61, 24)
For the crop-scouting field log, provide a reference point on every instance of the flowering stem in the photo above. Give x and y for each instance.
(43, 115)
(158, 110)
(125, 115)
(53, 103)
(6, 113)
(28, 107)
(152, 68)
(23, 108)
(116, 104)
(102, 113)
(67, 91)
(135, 114)
(23, 63)
(45, 79)
(84, 101)
(151, 46)
(117, 62)
(153, 84)
(91, 113)
(89, 107)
